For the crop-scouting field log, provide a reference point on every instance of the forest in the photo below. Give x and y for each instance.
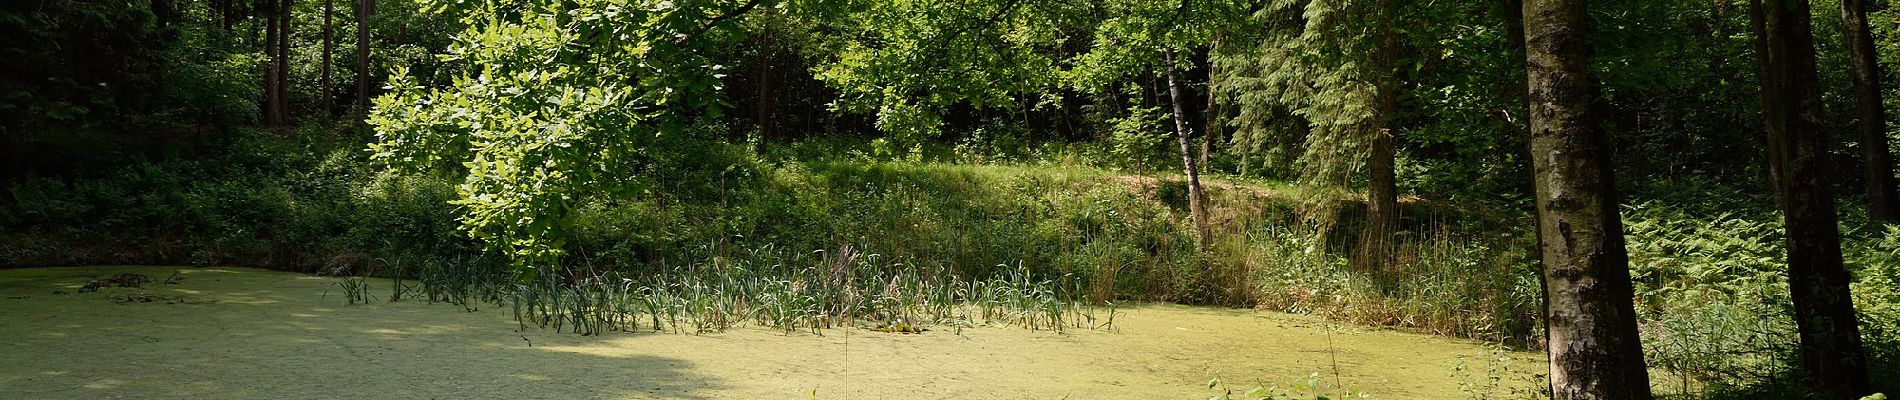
(690, 199)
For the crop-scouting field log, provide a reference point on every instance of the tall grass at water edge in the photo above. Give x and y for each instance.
(770, 287)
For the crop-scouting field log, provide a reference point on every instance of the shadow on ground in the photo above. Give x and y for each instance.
(229, 333)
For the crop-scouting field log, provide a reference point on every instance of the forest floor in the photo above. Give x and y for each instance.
(246, 333)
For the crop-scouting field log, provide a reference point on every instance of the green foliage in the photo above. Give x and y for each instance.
(1711, 287)
(570, 99)
(1500, 379)
(1468, 286)
(1141, 139)
(1310, 61)
(907, 61)
(1713, 292)
(262, 204)
(89, 86)
(1875, 264)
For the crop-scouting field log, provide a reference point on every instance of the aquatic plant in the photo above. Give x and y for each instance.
(767, 286)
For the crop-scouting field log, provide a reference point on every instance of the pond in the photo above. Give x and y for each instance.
(249, 333)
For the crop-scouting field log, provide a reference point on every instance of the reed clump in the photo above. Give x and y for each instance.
(766, 286)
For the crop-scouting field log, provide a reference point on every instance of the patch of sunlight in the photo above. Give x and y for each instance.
(107, 383)
(240, 300)
(530, 377)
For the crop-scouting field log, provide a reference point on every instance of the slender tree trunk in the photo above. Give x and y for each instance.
(271, 57)
(283, 63)
(1758, 27)
(1214, 110)
(1197, 207)
(1382, 192)
(329, 48)
(1831, 353)
(1213, 129)
(229, 15)
(764, 104)
(363, 9)
(256, 9)
(1883, 202)
(1595, 351)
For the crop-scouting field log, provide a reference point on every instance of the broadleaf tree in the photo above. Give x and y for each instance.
(561, 100)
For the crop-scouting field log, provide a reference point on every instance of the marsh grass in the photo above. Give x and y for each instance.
(355, 289)
(771, 287)
(1441, 283)
(953, 246)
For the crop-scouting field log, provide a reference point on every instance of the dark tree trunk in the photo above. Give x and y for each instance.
(363, 9)
(227, 14)
(1883, 202)
(271, 34)
(163, 13)
(329, 47)
(1197, 207)
(1514, 22)
(1758, 27)
(1214, 110)
(765, 81)
(1595, 351)
(283, 63)
(1213, 129)
(1382, 191)
(1831, 353)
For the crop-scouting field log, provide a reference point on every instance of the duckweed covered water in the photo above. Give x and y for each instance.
(246, 333)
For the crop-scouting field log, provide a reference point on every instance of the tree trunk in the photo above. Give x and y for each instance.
(362, 55)
(1213, 129)
(1831, 353)
(1758, 27)
(1883, 202)
(329, 48)
(1197, 199)
(764, 104)
(271, 34)
(1595, 351)
(1214, 110)
(283, 63)
(221, 14)
(1382, 192)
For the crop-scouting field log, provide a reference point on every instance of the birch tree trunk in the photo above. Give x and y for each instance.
(1595, 350)
(1196, 198)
